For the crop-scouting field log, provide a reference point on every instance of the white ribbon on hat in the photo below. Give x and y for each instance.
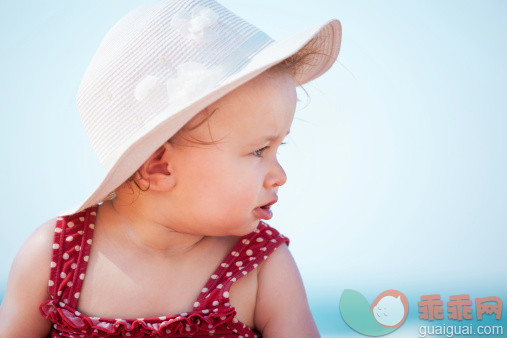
(192, 79)
(196, 24)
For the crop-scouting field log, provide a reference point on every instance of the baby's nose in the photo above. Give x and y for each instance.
(277, 176)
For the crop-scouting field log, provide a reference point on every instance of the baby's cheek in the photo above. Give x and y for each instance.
(239, 194)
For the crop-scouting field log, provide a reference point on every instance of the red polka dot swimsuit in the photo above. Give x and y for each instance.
(212, 315)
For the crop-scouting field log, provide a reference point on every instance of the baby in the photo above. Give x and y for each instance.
(186, 105)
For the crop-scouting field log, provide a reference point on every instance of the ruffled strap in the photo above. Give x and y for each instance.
(71, 250)
(248, 253)
(67, 320)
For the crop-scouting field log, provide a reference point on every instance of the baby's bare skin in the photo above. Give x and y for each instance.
(151, 256)
(121, 283)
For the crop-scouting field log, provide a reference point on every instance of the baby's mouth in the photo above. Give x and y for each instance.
(268, 206)
(264, 211)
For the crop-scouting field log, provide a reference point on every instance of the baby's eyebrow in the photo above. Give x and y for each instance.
(270, 137)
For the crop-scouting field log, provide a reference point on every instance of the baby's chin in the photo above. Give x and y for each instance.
(237, 229)
(246, 230)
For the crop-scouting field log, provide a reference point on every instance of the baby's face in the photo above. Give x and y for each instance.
(218, 187)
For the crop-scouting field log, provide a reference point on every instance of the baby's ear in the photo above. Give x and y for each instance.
(156, 171)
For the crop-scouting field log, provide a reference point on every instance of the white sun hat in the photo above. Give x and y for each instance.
(166, 61)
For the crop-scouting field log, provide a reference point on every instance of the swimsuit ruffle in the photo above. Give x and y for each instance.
(64, 318)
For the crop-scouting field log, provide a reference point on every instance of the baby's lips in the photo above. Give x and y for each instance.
(269, 204)
(263, 213)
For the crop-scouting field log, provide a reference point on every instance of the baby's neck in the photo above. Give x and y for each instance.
(131, 229)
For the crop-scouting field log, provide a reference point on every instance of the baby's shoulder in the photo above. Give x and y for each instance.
(27, 286)
(44, 233)
(282, 306)
(34, 256)
(41, 239)
(31, 265)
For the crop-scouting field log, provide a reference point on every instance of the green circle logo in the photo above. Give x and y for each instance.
(387, 312)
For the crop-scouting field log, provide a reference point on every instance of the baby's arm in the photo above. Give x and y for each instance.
(282, 307)
(27, 287)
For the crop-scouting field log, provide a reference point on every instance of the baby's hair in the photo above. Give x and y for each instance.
(293, 65)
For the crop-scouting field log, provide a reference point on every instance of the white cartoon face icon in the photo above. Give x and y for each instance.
(390, 308)
(389, 311)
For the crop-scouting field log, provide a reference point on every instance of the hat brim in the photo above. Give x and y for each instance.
(125, 161)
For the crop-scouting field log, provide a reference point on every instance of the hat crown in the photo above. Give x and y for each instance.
(157, 59)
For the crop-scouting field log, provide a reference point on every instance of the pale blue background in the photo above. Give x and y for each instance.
(396, 167)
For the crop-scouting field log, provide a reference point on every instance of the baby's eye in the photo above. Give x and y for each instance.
(258, 152)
